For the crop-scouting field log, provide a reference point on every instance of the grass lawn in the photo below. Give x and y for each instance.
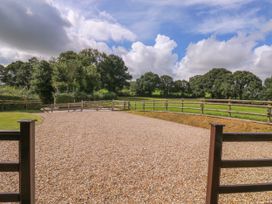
(191, 106)
(8, 120)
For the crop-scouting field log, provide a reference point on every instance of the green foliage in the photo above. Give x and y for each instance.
(246, 85)
(268, 88)
(64, 97)
(18, 74)
(147, 83)
(114, 73)
(43, 81)
(166, 85)
(104, 94)
(197, 86)
(13, 93)
(182, 88)
(218, 83)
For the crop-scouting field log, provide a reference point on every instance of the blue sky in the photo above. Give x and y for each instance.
(179, 38)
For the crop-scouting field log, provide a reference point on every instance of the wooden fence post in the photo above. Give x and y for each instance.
(27, 161)
(124, 106)
(82, 105)
(202, 106)
(153, 105)
(166, 105)
(182, 101)
(112, 105)
(143, 105)
(215, 154)
(135, 106)
(128, 105)
(229, 107)
(269, 112)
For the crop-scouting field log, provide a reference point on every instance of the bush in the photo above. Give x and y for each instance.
(12, 93)
(64, 98)
(104, 94)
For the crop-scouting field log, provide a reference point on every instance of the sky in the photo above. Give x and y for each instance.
(181, 38)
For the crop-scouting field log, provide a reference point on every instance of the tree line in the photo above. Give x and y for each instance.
(80, 74)
(216, 83)
(91, 72)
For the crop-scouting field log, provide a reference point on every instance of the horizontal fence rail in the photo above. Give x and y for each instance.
(254, 110)
(262, 110)
(216, 163)
(85, 105)
(26, 165)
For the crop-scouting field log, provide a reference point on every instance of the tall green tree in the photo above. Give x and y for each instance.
(147, 83)
(218, 83)
(182, 87)
(247, 85)
(43, 81)
(2, 73)
(18, 74)
(268, 88)
(166, 85)
(114, 73)
(197, 86)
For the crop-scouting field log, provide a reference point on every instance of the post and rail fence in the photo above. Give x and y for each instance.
(26, 164)
(215, 164)
(262, 110)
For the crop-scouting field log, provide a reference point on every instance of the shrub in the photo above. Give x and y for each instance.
(104, 94)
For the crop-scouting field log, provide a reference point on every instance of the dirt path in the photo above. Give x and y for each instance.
(115, 157)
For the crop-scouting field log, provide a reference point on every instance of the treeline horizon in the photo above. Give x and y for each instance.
(90, 74)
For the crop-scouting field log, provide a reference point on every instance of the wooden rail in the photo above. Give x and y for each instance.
(95, 105)
(26, 164)
(216, 163)
(230, 108)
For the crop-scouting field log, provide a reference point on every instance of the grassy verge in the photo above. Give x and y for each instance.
(203, 121)
(8, 120)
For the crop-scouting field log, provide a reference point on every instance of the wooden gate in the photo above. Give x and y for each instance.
(216, 163)
(26, 165)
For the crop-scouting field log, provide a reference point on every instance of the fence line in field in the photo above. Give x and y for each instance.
(202, 106)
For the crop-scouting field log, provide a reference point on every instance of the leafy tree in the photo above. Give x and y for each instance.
(91, 57)
(182, 87)
(43, 81)
(166, 85)
(18, 74)
(197, 86)
(217, 82)
(114, 73)
(2, 72)
(268, 88)
(246, 85)
(147, 83)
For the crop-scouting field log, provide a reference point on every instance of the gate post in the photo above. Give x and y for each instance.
(27, 161)
(215, 154)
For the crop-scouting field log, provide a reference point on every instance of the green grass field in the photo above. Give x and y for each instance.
(191, 106)
(8, 120)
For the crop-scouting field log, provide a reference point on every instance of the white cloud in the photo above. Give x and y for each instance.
(233, 54)
(241, 22)
(263, 61)
(158, 58)
(199, 2)
(97, 29)
(47, 27)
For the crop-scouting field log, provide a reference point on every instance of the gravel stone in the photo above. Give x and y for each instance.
(117, 157)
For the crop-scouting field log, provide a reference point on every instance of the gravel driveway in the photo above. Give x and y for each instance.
(117, 157)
